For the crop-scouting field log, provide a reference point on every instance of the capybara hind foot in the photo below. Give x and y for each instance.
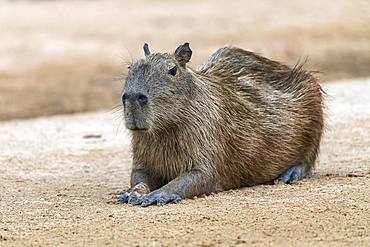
(295, 173)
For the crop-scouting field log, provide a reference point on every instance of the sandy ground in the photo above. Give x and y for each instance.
(59, 177)
(63, 56)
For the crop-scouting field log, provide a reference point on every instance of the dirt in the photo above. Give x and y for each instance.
(59, 177)
(56, 58)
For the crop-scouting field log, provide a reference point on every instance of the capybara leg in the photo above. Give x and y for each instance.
(295, 173)
(141, 184)
(193, 183)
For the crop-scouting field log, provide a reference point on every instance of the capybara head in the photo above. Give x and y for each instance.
(157, 88)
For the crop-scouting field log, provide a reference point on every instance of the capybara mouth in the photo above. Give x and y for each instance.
(136, 123)
(137, 129)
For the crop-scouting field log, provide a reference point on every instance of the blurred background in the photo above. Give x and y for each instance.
(67, 56)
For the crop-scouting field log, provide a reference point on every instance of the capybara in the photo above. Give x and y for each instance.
(239, 120)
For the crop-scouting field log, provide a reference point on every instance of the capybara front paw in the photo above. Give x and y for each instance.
(160, 198)
(123, 198)
(130, 198)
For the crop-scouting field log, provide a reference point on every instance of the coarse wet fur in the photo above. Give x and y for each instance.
(239, 120)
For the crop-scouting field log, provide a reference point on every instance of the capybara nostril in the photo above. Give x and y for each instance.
(143, 99)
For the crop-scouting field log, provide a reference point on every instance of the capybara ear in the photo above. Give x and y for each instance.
(183, 54)
(146, 49)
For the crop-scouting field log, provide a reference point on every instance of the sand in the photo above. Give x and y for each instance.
(59, 177)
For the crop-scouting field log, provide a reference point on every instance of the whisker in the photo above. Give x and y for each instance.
(120, 77)
(117, 112)
(115, 109)
(128, 51)
(117, 117)
(119, 106)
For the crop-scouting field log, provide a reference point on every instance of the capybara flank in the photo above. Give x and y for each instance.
(239, 120)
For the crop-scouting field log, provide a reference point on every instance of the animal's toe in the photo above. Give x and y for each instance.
(175, 198)
(285, 177)
(162, 201)
(160, 198)
(294, 174)
(169, 198)
(135, 198)
(123, 198)
(147, 201)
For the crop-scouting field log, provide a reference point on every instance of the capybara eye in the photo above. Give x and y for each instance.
(173, 71)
